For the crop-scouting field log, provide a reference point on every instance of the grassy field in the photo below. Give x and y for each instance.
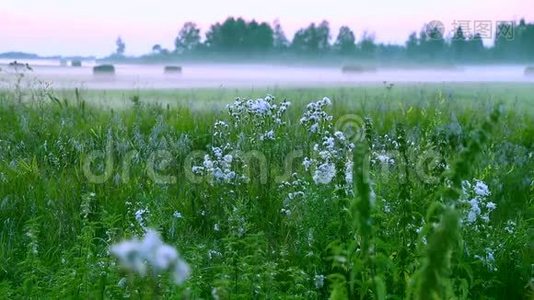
(412, 191)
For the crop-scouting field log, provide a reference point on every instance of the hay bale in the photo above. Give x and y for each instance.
(529, 71)
(76, 63)
(357, 69)
(172, 69)
(104, 70)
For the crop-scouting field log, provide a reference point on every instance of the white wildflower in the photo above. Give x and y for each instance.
(164, 256)
(339, 135)
(150, 253)
(348, 172)
(319, 281)
(181, 271)
(474, 211)
(228, 158)
(307, 163)
(488, 259)
(130, 255)
(217, 151)
(384, 159)
(285, 212)
(197, 170)
(259, 106)
(324, 173)
(481, 189)
(475, 197)
(510, 226)
(213, 253)
(329, 143)
(208, 163)
(315, 115)
(140, 216)
(269, 135)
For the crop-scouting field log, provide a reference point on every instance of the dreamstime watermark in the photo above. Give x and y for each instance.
(162, 167)
(166, 168)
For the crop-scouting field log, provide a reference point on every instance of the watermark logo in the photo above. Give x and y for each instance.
(352, 126)
(481, 29)
(505, 30)
(435, 29)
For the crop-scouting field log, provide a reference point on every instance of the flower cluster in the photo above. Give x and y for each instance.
(251, 121)
(315, 118)
(259, 109)
(475, 196)
(140, 216)
(217, 166)
(332, 151)
(488, 259)
(151, 254)
(295, 188)
(382, 159)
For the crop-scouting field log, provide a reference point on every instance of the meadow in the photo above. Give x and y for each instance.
(407, 191)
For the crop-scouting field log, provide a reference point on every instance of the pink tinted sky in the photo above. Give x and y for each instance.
(90, 27)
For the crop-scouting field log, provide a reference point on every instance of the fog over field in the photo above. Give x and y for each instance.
(151, 76)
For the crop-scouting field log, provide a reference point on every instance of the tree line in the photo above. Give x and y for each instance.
(513, 42)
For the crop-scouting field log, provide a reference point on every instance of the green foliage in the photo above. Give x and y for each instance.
(432, 280)
(428, 47)
(402, 229)
(238, 35)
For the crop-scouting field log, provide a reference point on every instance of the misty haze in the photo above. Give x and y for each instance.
(152, 76)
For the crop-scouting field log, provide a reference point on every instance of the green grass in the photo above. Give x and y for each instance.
(399, 230)
(517, 95)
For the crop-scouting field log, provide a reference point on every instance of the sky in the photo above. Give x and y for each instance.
(90, 27)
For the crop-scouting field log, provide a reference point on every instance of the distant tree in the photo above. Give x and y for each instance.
(367, 45)
(524, 40)
(431, 42)
(280, 41)
(412, 45)
(474, 47)
(305, 39)
(423, 37)
(323, 36)
(121, 46)
(156, 49)
(241, 36)
(312, 39)
(458, 44)
(233, 34)
(188, 38)
(345, 41)
(503, 48)
(390, 52)
(258, 36)
(527, 42)
(227, 36)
